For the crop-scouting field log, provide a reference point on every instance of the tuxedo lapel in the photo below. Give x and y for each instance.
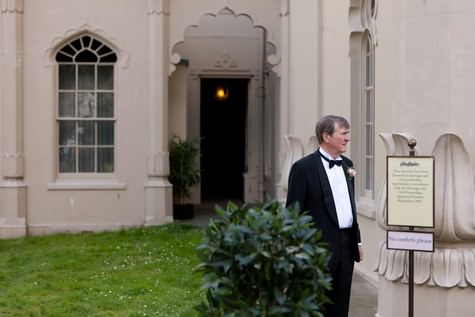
(326, 189)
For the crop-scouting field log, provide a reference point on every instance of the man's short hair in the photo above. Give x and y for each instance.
(327, 124)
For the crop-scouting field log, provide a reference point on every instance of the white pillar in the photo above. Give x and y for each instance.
(284, 93)
(12, 188)
(158, 190)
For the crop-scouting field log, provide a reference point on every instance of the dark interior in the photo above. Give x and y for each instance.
(223, 125)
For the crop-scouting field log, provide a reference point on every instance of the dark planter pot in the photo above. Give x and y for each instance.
(183, 212)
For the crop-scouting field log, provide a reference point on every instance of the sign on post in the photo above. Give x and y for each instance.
(410, 190)
(410, 240)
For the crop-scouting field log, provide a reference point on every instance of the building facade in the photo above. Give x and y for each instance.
(92, 91)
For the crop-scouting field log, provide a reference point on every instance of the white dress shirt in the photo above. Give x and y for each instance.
(339, 187)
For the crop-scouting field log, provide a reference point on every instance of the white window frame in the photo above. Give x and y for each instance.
(367, 117)
(72, 51)
(363, 40)
(107, 56)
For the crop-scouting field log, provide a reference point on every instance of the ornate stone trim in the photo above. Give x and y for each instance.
(362, 18)
(158, 164)
(226, 61)
(159, 7)
(11, 6)
(284, 8)
(57, 42)
(13, 165)
(453, 261)
(446, 267)
(272, 59)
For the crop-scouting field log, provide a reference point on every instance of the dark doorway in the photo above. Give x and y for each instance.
(223, 122)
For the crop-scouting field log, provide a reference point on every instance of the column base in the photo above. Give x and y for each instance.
(434, 301)
(13, 220)
(158, 202)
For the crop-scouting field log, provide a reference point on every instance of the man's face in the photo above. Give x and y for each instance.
(335, 144)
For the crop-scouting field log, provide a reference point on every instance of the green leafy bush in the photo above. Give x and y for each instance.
(263, 261)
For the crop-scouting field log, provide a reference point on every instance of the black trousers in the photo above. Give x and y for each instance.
(342, 274)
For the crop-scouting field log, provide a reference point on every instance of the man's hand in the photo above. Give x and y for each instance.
(360, 250)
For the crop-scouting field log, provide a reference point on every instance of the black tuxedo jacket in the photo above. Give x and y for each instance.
(310, 188)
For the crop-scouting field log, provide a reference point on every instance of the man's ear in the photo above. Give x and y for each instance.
(326, 137)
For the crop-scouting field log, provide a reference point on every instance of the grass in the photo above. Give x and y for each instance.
(135, 272)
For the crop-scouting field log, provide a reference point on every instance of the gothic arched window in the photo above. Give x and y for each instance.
(85, 113)
(367, 115)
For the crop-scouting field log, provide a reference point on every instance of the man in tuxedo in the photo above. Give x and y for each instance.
(322, 184)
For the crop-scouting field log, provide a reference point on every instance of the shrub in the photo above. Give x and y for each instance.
(263, 261)
(184, 171)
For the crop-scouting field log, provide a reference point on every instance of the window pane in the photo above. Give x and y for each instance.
(369, 106)
(368, 72)
(86, 40)
(61, 57)
(86, 160)
(86, 132)
(67, 132)
(105, 105)
(86, 77)
(95, 44)
(368, 174)
(369, 138)
(86, 56)
(109, 58)
(104, 50)
(66, 104)
(105, 133)
(68, 50)
(105, 160)
(67, 160)
(67, 77)
(105, 77)
(76, 44)
(86, 104)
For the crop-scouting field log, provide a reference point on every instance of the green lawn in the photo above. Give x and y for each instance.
(135, 272)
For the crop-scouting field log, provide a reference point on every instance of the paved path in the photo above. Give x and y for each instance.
(364, 298)
(364, 295)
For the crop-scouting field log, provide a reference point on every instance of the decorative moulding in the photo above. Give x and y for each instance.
(13, 165)
(158, 163)
(273, 59)
(158, 7)
(453, 261)
(362, 18)
(12, 6)
(100, 34)
(284, 8)
(396, 144)
(446, 267)
(226, 61)
(295, 151)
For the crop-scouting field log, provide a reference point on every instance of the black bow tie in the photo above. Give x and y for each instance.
(331, 163)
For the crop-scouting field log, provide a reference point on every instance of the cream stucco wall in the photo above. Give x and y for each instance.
(148, 107)
(50, 202)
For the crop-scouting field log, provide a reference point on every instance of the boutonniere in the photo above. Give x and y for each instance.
(351, 172)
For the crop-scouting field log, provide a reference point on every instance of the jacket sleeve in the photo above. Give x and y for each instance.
(297, 187)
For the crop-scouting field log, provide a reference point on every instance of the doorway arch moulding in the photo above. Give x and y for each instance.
(184, 20)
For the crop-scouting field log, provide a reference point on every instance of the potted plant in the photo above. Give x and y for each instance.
(184, 173)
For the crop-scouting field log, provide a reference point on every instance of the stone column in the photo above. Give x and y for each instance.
(284, 93)
(158, 190)
(12, 187)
